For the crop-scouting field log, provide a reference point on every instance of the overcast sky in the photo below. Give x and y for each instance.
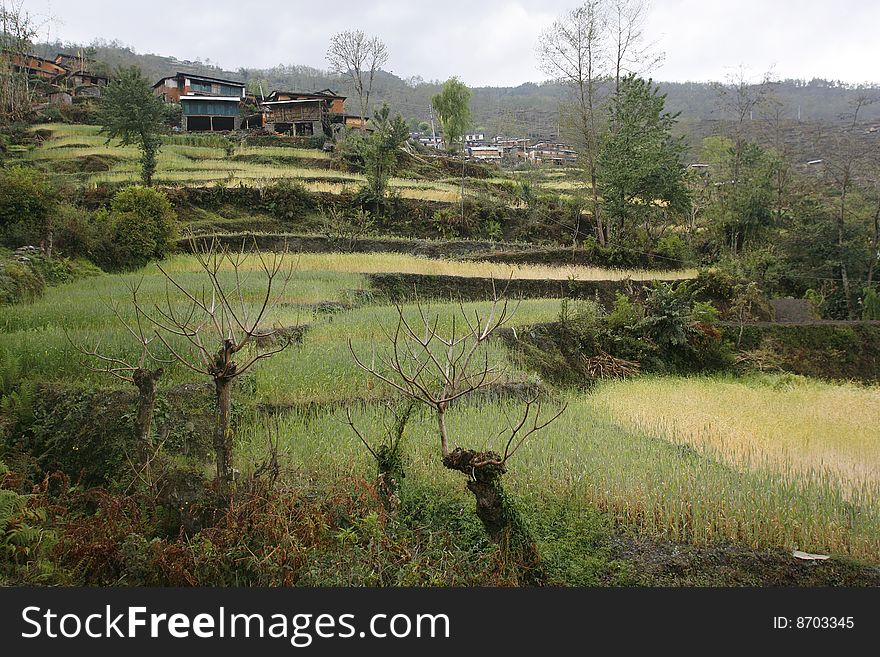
(485, 42)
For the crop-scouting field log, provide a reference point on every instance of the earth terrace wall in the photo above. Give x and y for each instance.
(828, 350)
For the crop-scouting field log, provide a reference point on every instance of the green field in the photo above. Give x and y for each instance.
(193, 161)
(789, 464)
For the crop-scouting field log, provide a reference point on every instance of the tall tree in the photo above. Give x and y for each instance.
(572, 51)
(630, 54)
(847, 155)
(380, 151)
(357, 57)
(452, 105)
(640, 167)
(131, 113)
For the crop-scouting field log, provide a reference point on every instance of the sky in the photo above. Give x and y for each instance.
(485, 42)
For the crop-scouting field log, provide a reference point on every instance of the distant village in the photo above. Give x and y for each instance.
(211, 104)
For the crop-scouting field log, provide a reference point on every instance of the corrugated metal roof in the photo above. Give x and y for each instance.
(234, 99)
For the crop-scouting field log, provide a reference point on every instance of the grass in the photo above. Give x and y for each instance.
(375, 263)
(786, 423)
(767, 462)
(587, 458)
(202, 160)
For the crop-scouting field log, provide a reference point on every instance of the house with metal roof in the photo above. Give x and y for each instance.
(207, 103)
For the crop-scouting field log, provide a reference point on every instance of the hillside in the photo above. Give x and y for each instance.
(529, 109)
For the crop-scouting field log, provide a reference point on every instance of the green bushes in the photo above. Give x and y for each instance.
(26, 204)
(287, 200)
(669, 331)
(139, 227)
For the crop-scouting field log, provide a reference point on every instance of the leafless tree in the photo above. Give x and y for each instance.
(18, 29)
(219, 327)
(630, 52)
(139, 374)
(588, 48)
(435, 369)
(738, 98)
(847, 154)
(357, 57)
(573, 50)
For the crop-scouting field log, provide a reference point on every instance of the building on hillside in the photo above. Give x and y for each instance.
(475, 139)
(207, 104)
(83, 83)
(304, 114)
(488, 153)
(427, 139)
(511, 144)
(551, 153)
(77, 62)
(172, 88)
(210, 113)
(34, 66)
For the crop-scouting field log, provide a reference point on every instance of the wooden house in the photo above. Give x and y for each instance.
(305, 114)
(34, 66)
(207, 103)
(173, 87)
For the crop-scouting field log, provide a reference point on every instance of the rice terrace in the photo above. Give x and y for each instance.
(255, 337)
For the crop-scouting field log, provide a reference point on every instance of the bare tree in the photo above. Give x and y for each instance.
(585, 48)
(357, 57)
(220, 328)
(142, 377)
(573, 51)
(738, 98)
(436, 369)
(847, 155)
(18, 29)
(630, 53)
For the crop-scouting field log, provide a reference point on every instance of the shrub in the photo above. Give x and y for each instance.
(674, 248)
(288, 200)
(26, 202)
(19, 283)
(871, 305)
(624, 313)
(75, 232)
(141, 226)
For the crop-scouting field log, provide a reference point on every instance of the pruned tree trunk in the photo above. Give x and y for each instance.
(222, 432)
(389, 473)
(146, 382)
(499, 515)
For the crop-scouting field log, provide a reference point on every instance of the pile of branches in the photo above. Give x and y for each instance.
(605, 366)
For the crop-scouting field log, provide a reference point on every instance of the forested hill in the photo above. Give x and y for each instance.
(529, 109)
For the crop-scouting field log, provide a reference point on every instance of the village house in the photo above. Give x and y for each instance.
(83, 83)
(427, 139)
(207, 103)
(34, 66)
(475, 139)
(304, 114)
(487, 153)
(552, 153)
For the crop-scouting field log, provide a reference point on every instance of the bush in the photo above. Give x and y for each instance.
(19, 283)
(141, 226)
(674, 249)
(26, 202)
(76, 233)
(871, 305)
(288, 200)
(624, 313)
